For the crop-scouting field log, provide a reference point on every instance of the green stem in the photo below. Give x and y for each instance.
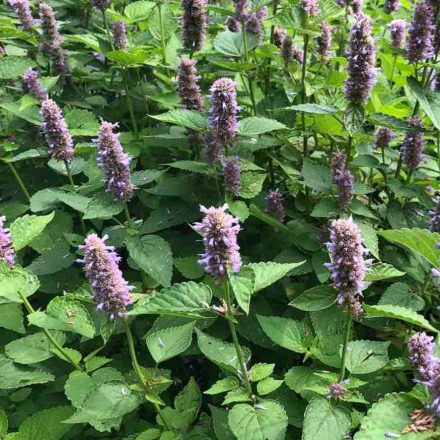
(130, 103)
(127, 214)
(107, 29)
(51, 338)
(138, 371)
(246, 58)
(234, 336)
(393, 69)
(344, 348)
(303, 93)
(19, 181)
(162, 33)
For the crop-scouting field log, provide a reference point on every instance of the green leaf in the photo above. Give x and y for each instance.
(231, 43)
(419, 241)
(220, 352)
(254, 126)
(251, 184)
(153, 255)
(3, 424)
(128, 58)
(419, 93)
(33, 348)
(239, 209)
(140, 178)
(12, 67)
(263, 421)
(391, 415)
(268, 385)
(67, 314)
(185, 118)
(52, 262)
(187, 403)
(369, 234)
(102, 205)
(16, 280)
(382, 271)
(316, 298)
(184, 299)
(365, 357)
(191, 165)
(268, 273)
(14, 375)
(220, 422)
(26, 228)
(316, 176)
(189, 267)
(166, 343)
(325, 420)
(223, 385)
(398, 294)
(261, 371)
(285, 332)
(397, 312)
(11, 317)
(82, 122)
(138, 11)
(319, 109)
(46, 424)
(243, 284)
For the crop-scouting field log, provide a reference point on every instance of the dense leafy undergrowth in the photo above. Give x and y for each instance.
(219, 220)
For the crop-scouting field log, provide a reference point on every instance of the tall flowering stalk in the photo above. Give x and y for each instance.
(343, 179)
(434, 215)
(255, 22)
(119, 35)
(194, 21)
(392, 5)
(324, 41)
(275, 204)
(223, 124)
(383, 137)
(231, 175)
(356, 6)
(187, 85)
(413, 144)
(101, 5)
(348, 266)
(220, 231)
(23, 11)
(239, 16)
(420, 37)
(310, 7)
(7, 252)
(111, 291)
(114, 163)
(397, 31)
(361, 61)
(55, 129)
(33, 86)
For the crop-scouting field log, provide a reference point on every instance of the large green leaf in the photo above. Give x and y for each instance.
(26, 228)
(153, 255)
(139, 10)
(185, 118)
(324, 420)
(365, 357)
(398, 312)
(243, 285)
(263, 421)
(254, 125)
(316, 298)
(102, 205)
(220, 352)
(184, 299)
(231, 43)
(16, 280)
(11, 317)
(419, 93)
(316, 176)
(420, 241)
(285, 332)
(382, 271)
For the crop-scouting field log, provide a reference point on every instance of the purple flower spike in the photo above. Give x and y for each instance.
(348, 266)
(23, 11)
(119, 35)
(337, 390)
(383, 137)
(187, 85)
(56, 133)
(111, 291)
(310, 7)
(220, 231)
(392, 5)
(421, 353)
(356, 6)
(114, 163)
(275, 205)
(434, 216)
(194, 22)
(7, 252)
(223, 122)
(413, 144)
(362, 58)
(287, 47)
(324, 41)
(397, 31)
(343, 179)
(101, 5)
(339, 161)
(33, 86)
(239, 16)
(278, 37)
(255, 22)
(231, 174)
(420, 37)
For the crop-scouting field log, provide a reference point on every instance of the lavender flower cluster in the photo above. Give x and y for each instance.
(253, 21)
(220, 231)
(7, 252)
(288, 49)
(223, 124)
(421, 355)
(310, 7)
(231, 174)
(348, 266)
(397, 31)
(420, 38)
(275, 204)
(361, 61)
(343, 179)
(194, 21)
(23, 10)
(383, 137)
(119, 35)
(111, 291)
(114, 163)
(187, 85)
(33, 86)
(413, 144)
(434, 215)
(392, 5)
(324, 41)
(101, 5)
